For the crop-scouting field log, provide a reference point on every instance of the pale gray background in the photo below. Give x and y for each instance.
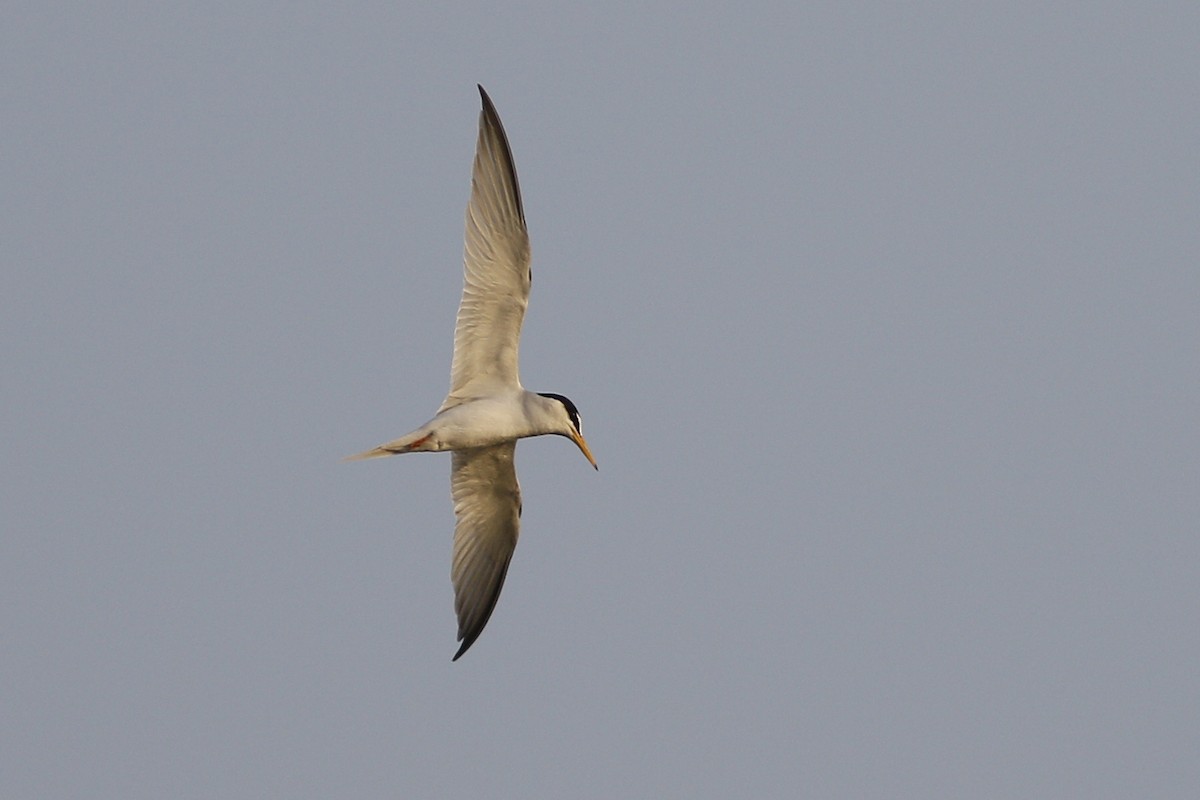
(883, 321)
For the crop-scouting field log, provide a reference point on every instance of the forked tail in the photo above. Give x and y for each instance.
(374, 452)
(405, 444)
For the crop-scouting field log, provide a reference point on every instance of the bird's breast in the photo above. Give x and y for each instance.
(480, 423)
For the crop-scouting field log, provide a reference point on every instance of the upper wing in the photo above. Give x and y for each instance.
(496, 271)
(487, 506)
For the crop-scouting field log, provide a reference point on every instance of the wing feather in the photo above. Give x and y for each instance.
(496, 275)
(487, 507)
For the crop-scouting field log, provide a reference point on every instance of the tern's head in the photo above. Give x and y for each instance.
(567, 423)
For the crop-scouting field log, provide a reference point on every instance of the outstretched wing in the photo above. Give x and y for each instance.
(487, 507)
(496, 271)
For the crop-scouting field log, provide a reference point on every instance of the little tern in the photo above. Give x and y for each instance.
(487, 409)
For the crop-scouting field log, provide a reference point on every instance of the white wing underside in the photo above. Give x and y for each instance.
(496, 272)
(487, 507)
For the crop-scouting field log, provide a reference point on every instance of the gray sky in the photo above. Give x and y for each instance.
(884, 324)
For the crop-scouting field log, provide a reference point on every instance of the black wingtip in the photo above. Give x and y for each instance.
(489, 108)
(466, 644)
(469, 638)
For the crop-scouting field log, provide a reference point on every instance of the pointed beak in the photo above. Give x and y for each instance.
(577, 438)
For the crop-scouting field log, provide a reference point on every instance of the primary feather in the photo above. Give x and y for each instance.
(496, 275)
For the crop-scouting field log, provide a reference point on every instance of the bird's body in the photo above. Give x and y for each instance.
(481, 422)
(487, 409)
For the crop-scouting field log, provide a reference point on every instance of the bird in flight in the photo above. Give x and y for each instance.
(487, 409)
